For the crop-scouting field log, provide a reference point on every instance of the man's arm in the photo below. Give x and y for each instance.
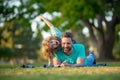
(46, 21)
(80, 63)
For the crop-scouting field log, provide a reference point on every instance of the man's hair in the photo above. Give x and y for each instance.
(68, 35)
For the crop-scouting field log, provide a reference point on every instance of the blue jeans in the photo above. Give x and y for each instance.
(90, 59)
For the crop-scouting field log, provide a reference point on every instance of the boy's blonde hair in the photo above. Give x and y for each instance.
(46, 50)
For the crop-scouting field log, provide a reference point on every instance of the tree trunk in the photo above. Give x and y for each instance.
(110, 37)
(12, 61)
(105, 52)
(104, 41)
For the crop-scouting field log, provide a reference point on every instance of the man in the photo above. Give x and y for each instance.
(71, 54)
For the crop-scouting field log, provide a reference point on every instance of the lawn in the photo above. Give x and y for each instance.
(109, 72)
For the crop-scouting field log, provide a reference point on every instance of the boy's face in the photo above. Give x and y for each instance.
(53, 44)
(66, 44)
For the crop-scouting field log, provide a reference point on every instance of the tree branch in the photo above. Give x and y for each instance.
(91, 31)
(100, 29)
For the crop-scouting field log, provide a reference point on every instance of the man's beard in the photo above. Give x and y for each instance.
(67, 49)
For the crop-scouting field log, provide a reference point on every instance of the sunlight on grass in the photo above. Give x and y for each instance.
(63, 73)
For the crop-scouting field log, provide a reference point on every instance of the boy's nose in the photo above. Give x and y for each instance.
(54, 42)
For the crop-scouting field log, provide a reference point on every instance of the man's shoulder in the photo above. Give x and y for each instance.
(78, 45)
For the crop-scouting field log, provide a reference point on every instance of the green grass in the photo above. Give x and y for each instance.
(110, 72)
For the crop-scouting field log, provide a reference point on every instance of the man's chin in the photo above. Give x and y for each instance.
(66, 51)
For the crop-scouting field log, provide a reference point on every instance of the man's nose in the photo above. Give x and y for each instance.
(66, 45)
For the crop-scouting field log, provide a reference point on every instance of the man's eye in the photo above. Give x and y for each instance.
(68, 43)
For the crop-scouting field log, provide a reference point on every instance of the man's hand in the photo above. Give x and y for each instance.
(80, 63)
(64, 64)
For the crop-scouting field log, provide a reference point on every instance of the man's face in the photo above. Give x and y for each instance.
(66, 45)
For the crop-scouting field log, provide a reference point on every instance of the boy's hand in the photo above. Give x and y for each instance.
(41, 17)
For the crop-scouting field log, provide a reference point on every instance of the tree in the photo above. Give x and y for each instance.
(20, 9)
(22, 42)
(16, 16)
(91, 12)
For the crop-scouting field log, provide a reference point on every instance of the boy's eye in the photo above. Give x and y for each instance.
(62, 43)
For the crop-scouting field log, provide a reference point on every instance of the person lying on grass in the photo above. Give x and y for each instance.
(56, 33)
(71, 54)
(54, 43)
(67, 54)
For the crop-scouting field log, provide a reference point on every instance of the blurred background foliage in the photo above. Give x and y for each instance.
(100, 19)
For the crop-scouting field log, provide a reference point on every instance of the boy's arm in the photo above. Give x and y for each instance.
(56, 63)
(54, 31)
(46, 21)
